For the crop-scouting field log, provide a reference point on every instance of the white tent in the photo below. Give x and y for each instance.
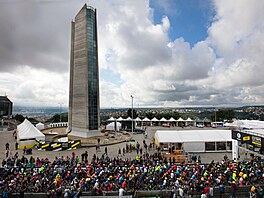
(40, 126)
(154, 119)
(146, 119)
(180, 120)
(189, 120)
(163, 120)
(129, 119)
(119, 119)
(137, 119)
(194, 140)
(172, 120)
(58, 124)
(111, 126)
(248, 124)
(111, 119)
(27, 134)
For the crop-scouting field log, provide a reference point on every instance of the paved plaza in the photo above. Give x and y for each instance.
(112, 149)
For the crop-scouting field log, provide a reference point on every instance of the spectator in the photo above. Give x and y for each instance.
(222, 190)
(24, 150)
(105, 174)
(106, 150)
(7, 146)
(121, 192)
(233, 189)
(259, 191)
(16, 145)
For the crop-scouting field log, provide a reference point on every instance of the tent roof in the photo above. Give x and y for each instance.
(146, 119)
(113, 124)
(40, 124)
(26, 130)
(154, 119)
(170, 136)
(119, 119)
(129, 119)
(189, 120)
(248, 124)
(172, 119)
(163, 119)
(137, 119)
(111, 119)
(180, 120)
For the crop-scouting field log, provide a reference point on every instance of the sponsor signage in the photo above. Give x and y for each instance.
(246, 138)
(256, 141)
(253, 140)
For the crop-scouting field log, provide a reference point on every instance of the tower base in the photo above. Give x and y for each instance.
(84, 133)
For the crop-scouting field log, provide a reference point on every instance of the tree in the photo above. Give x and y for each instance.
(58, 117)
(19, 117)
(149, 115)
(129, 113)
(223, 114)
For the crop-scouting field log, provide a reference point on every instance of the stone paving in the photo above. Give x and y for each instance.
(112, 149)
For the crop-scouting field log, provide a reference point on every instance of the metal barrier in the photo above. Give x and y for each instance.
(59, 146)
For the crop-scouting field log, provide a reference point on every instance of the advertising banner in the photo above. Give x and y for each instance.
(250, 139)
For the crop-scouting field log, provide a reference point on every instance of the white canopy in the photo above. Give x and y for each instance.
(111, 119)
(172, 120)
(248, 124)
(180, 120)
(26, 130)
(146, 119)
(111, 126)
(171, 136)
(163, 120)
(128, 119)
(154, 119)
(40, 126)
(137, 119)
(189, 120)
(119, 119)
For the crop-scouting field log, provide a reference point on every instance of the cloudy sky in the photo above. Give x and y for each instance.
(166, 53)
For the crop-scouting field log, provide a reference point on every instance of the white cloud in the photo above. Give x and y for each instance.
(225, 68)
(36, 86)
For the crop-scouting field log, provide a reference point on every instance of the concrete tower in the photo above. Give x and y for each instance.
(84, 116)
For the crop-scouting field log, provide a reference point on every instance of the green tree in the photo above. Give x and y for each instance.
(58, 118)
(150, 115)
(19, 117)
(223, 114)
(129, 113)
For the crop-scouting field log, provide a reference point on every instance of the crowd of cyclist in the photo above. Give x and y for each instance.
(69, 176)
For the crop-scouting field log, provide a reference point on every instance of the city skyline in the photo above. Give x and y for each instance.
(164, 53)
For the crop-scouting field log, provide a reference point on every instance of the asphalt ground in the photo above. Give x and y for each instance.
(112, 149)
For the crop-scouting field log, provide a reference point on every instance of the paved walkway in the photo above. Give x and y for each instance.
(112, 149)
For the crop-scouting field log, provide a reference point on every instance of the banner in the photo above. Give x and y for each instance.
(247, 138)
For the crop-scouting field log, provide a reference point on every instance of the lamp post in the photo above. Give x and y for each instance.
(132, 128)
(215, 114)
(60, 109)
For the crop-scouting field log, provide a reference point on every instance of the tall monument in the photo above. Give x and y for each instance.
(84, 106)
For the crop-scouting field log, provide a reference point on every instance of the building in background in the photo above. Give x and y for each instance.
(84, 117)
(6, 107)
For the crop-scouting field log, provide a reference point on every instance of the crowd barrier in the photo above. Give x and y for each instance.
(241, 192)
(59, 146)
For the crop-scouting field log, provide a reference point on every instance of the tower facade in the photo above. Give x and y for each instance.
(84, 106)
